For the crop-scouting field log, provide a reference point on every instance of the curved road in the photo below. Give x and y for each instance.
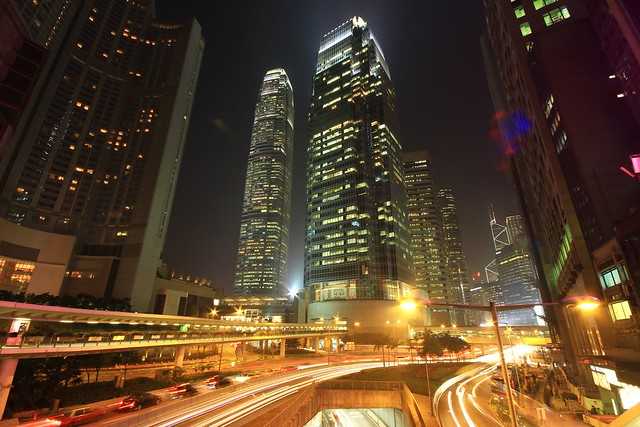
(462, 401)
(225, 406)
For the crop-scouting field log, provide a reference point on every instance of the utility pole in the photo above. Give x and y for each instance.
(505, 371)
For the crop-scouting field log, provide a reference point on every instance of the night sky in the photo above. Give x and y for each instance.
(433, 51)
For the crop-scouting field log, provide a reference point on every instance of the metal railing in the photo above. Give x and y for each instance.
(133, 340)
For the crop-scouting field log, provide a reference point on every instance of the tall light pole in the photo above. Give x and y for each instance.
(503, 364)
(587, 303)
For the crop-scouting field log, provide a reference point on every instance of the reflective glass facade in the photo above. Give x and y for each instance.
(357, 241)
(456, 276)
(264, 227)
(425, 227)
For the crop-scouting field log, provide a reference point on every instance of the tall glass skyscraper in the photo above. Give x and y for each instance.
(425, 226)
(456, 277)
(264, 225)
(357, 242)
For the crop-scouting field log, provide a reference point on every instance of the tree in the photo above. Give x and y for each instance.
(453, 344)
(38, 381)
(379, 341)
(95, 362)
(431, 346)
(125, 359)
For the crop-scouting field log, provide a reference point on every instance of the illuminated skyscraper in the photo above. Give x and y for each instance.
(563, 75)
(425, 227)
(98, 155)
(264, 226)
(357, 241)
(456, 277)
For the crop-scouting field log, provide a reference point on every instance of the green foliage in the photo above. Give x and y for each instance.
(177, 373)
(79, 301)
(454, 344)
(431, 345)
(38, 381)
(434, 344)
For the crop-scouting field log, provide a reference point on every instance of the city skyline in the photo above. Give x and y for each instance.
(327, 167)
(229, 129)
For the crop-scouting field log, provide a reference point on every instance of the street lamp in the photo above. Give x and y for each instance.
(585, 304)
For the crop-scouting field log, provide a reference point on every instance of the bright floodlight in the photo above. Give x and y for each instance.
(588, 305)
(408, 305)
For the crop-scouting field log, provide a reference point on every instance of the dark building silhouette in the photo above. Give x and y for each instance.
(567, 129)
(97, 156)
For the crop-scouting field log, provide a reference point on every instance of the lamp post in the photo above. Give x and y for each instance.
(587, 303)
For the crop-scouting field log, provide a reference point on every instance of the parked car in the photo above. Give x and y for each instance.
(138, 401)
(79, 416)
(182, 390)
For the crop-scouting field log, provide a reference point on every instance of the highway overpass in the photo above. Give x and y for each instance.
(112, 331)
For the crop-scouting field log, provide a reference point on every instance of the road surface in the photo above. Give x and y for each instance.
(228, 405)
(463, 401)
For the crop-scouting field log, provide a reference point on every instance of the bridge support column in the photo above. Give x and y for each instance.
(180, 351)
(283, 347)
(7, 370)
(316, 344)
(327, 345)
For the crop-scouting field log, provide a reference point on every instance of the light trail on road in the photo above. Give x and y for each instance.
(230, 415)
(464, 387)
(225, 406)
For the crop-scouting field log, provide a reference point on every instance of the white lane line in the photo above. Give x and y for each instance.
(451, 411)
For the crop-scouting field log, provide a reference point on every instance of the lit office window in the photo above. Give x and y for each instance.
(525, 29)
(620, 310)
(15, 275)
(539, 4)
(613, 276)
(556, 15)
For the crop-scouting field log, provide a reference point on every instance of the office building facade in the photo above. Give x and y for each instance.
(98, 155)
(357, 240)
(425, 225)
(517, 275)
(455, 264)
(264, 225)
(439, 263)
(547, 71)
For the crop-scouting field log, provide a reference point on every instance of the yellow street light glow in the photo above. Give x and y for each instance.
(408, 305)
(588, 305)
(356, 324)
